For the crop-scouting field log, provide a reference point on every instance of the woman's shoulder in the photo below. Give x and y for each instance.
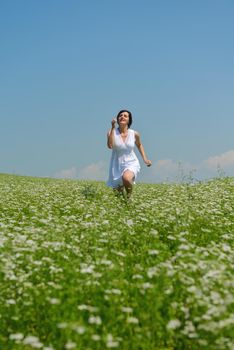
(136, 133)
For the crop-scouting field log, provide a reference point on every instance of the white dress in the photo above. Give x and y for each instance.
(123, 158)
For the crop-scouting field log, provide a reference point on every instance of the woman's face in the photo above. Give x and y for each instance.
(123, 118)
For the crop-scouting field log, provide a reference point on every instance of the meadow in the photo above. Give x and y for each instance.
(81, 268)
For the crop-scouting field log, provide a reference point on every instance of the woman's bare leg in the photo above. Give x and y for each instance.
(128, 178)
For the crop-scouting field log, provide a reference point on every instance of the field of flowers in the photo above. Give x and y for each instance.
(83, 269)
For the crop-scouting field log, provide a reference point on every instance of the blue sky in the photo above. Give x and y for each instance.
(67, 68)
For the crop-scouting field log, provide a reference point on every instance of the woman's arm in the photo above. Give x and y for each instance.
(110, 135)
(141, 149)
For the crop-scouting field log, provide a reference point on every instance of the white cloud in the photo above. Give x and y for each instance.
(172, 170)
(161, 170)
(223, 160)
(165, 165)
(66, 173)
(95, 171)
(166, 169)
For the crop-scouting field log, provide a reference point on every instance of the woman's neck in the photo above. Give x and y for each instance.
(123, 129)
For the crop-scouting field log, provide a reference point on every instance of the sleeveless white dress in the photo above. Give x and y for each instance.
(123, 158)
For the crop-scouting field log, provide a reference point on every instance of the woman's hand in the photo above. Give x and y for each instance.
(113, 122)
(148, 162)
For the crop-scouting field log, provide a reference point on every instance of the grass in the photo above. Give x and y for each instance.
(83, 269)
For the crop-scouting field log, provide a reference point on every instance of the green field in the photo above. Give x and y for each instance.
(83, 269)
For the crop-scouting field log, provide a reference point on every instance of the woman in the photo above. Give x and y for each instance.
(124, 165)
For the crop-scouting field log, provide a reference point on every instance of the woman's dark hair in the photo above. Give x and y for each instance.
(129, 114)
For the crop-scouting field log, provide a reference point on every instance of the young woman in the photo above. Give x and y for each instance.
(124, 164)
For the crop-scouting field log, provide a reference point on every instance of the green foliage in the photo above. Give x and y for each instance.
(81, 268)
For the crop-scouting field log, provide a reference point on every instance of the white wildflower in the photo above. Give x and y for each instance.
(152, 271)
(106, 262)
(153, 252)
(79, 329)
(192, 289)
(129, 222)
(120, 254)
(111, 343)
(95, 320)
(113, 291)
(216, 297)
(133, 320)
(183, 233)
(54, 301)
(83, 307)
(127, 309)
(182, 239)
(172, 238)
(174, 305)
(153, 232)
(87, 269)
(70, 345)
(173, 324)
(96, 337)
(184, 247)
(62, 325)
(33, 342)
(147, 285)
(226, 248)
(103, 240)
(169, 291)
(16, 336)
